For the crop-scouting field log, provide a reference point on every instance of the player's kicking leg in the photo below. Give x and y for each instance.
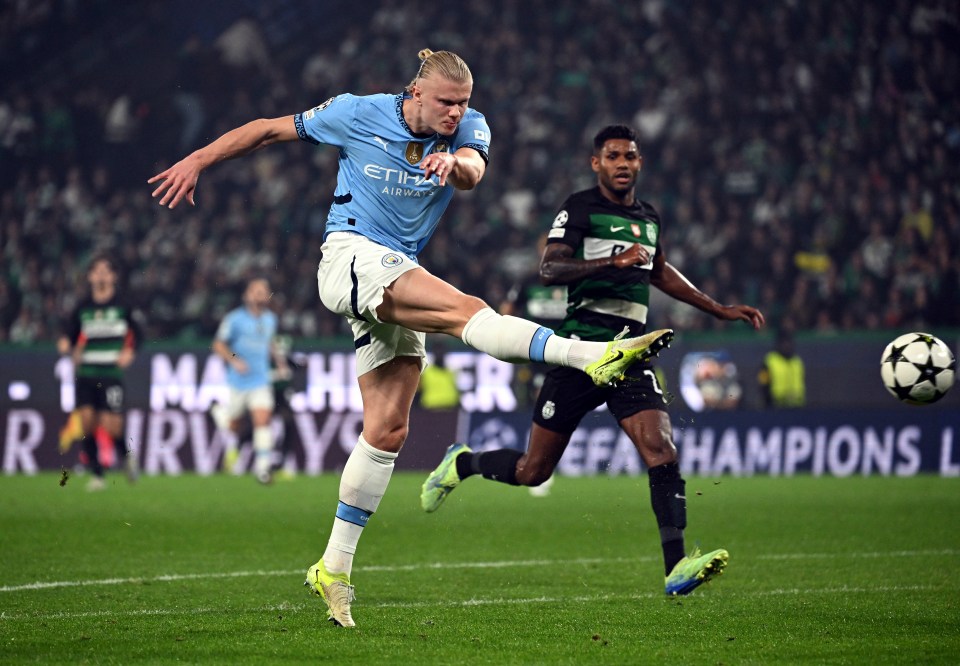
(423, 302)
(512, 339)
(620, 355)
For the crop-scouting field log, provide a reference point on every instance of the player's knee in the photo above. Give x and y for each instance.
(659, 451)
(388, 437)
(470, 305)
(260, 417)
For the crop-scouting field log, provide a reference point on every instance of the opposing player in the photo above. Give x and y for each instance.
(401, 156)
(606, 246)
(245, 341)
(102, 335)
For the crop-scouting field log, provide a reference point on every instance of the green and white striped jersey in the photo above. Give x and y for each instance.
(102, 330)
(602, 305)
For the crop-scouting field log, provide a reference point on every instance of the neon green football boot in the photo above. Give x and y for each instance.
(694, 570)
(335, 590)
(621, 354)
(230, 459)
(443, 479)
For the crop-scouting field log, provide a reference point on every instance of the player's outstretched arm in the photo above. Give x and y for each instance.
(179, 181)
(672, 282)
(558, 265)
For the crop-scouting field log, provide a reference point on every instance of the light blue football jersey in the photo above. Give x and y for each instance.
(381, 193)
(249, 337)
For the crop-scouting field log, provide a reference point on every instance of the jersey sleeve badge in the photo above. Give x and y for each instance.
(312, 112)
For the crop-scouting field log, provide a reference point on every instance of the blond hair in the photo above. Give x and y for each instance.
(442, 63)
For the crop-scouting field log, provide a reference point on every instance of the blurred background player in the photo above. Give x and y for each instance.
(529, 298)
(281, 380)
(545, 304)
(605, 245)
(245, 340)
(101, 335)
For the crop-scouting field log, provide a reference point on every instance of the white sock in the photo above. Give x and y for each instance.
(572, 353)
(516, 340)
(502, 337)
(263, 449)
(362, 485)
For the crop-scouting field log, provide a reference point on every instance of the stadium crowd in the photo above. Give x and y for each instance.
(804, 155)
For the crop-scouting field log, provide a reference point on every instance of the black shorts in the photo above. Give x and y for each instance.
(568, 394)
(104, 394)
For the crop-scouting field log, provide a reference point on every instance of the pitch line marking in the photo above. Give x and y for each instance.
(391, 568)
(468, 603)
(42, 585)
(861, 555)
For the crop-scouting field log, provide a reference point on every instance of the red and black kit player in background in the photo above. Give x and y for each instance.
(101, 335)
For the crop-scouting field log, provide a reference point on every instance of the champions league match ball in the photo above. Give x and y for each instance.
(918, 368)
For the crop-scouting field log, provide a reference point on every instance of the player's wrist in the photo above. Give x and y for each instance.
(722, 311)
(199, 160)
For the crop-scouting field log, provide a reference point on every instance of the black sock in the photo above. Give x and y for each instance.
(668, 497)
(93, 455)
(120, 447)
(465, 465)
(673, 551)
(499, 465)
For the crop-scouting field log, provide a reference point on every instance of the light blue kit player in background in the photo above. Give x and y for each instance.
(401, 158)
(245, 341)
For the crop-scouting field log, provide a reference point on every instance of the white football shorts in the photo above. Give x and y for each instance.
(240, 401)
(353, 273)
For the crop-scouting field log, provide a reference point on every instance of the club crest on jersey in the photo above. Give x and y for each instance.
(414, 152)
(441, 147)
(652, 232)
(312, 112)
(391, 260)
(549, 409)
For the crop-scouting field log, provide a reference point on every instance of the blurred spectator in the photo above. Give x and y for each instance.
(815, 145)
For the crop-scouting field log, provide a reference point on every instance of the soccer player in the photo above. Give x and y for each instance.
(282, 386)
(102, 335)
(401, 156)
(606, 246)
(245, 340)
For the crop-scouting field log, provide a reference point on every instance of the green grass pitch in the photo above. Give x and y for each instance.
(822, 570)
